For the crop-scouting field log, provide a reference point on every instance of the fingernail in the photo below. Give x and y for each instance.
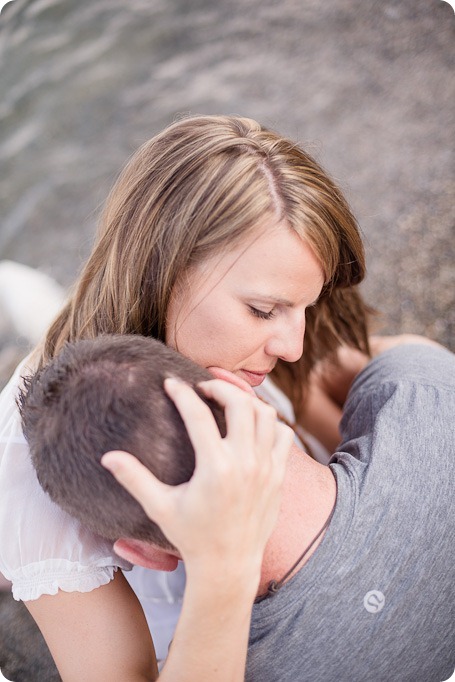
(172, 382)
(109, 462)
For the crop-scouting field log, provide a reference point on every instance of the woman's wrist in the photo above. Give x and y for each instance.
(211, 639)
(219, 580)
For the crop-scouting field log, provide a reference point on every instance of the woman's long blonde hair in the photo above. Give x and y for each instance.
(195, 190)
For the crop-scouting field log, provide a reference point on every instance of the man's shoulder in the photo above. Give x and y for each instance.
(418, 364)
(402, 387)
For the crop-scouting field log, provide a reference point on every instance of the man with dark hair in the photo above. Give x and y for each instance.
(377, 522)
(103, 395)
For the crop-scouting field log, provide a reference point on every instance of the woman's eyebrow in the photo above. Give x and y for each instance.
(270, 299)
(277, 300)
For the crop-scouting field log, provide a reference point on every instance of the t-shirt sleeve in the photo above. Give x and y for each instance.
(42, 548)
(403, 392)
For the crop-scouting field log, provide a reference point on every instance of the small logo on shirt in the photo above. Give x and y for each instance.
(374, 601)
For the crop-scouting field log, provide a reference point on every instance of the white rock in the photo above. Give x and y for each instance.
(29, 300)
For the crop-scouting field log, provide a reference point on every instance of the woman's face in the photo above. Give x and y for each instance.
(244, 310)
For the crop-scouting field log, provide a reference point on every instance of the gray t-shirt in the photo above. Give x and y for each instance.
(376, 600)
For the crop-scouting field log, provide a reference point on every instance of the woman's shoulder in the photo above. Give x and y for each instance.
(42, 548)
(10, 423)
(10, 391)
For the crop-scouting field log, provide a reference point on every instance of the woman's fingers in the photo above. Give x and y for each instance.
(138, 481)
(240, 409)
(267, 427)
(231, 502)
(197, 417)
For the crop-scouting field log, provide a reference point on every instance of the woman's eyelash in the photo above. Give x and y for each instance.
(261, 313)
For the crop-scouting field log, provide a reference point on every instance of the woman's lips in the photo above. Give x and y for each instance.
(240, 377)
(253, 378)
(232, 378)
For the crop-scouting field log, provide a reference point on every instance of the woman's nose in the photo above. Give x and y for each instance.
(287, 342)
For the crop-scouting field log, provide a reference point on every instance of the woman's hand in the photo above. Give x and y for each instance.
(220, 521)
(226, 512)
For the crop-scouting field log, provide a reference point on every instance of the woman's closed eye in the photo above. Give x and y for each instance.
(262, 314)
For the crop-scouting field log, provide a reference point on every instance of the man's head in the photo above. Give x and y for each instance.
(107, 394)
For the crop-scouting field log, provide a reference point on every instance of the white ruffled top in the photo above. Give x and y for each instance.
(43, 549)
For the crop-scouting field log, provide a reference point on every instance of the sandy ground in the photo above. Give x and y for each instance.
(366, 85)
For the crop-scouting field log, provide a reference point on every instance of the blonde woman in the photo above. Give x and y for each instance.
(231, 244)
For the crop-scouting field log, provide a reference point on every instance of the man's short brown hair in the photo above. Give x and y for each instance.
(107, 394)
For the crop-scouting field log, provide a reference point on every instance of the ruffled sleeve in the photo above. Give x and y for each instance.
(42, 548)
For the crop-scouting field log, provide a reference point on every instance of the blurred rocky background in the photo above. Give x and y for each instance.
(366, 85)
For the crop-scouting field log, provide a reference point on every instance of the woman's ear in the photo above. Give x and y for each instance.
(146, 554)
